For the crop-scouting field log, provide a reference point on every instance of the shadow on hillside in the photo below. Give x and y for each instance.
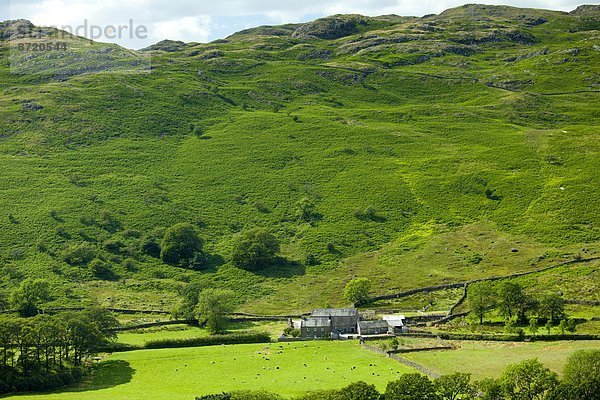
(212, 263)
(283, 269)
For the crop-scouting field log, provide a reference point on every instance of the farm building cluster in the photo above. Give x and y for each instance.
(345, 323)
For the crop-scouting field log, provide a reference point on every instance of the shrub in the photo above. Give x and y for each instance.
(150, 245)
(222, 396)
(307, 210)
(102, 270)
(369, 213)
(114, 246)
(254, 395)
(78, 254)
(213, 340)
(108, 221)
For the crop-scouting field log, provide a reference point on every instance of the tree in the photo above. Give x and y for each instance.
(357, 291)
(581, 374)
(359, 391)
(190, 294)
(552, 307)
(213, 307)
(562, 326)
(84, 336)
(255, 249)
(27, 298)
(104, 319)
(510, 297)
(527, 303)
(411, 387)
(47, 351)
(482, 299)
(490, 389)
(180, 243)
(528, 380)
(533, 325)
(455, 386)
(548, 326)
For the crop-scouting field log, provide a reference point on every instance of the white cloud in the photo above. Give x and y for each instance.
(187, 29)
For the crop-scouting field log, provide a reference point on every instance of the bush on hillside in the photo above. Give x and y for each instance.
(255, 249)
(180, 244)
(79, 254)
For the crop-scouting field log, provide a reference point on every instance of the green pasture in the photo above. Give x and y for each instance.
(488, 359)
(288, 368)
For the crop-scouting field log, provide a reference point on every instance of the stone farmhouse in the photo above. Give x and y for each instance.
(343, 323)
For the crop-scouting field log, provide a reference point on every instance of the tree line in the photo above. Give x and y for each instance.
(49, 351)
(511, 302)
(527, 380)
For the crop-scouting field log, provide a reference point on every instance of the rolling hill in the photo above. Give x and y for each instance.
(434, 150)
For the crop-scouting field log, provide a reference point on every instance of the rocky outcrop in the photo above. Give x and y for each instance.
(170, 46)
(587, 9)
(335, 27)
(15, 29)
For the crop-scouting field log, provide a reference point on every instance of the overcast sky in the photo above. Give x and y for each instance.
(203, 21)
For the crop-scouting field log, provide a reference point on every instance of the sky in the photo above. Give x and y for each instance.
(204, 21)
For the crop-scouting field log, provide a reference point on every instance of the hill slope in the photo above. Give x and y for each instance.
(434, 149)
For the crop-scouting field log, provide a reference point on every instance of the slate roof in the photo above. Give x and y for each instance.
(373, 324)
(319, 322)
(335, 312)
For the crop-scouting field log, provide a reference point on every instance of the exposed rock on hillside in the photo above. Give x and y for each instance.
(332, 27)
(15, 29)
(587, 9)
(169, 46)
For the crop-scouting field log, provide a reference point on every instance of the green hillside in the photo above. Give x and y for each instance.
(434, 150)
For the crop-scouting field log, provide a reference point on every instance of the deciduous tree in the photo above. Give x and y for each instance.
(29, 295)
(180, 243)
(255, 249)
(482, 299)
(213, 307)
(358, 290)
(528, 380)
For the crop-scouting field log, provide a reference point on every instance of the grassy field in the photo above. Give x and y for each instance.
(141, 336)
(189, 372)
(488, 359)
